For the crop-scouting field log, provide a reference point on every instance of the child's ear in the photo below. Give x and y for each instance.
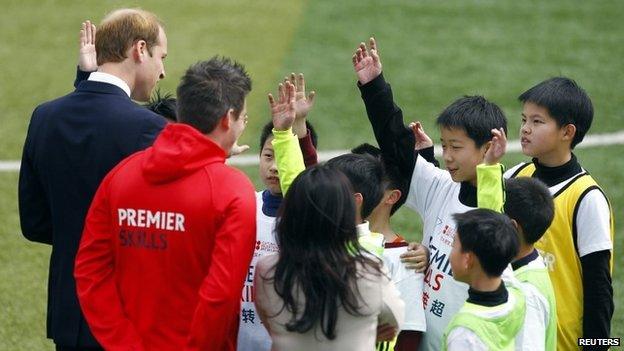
(468, 260)
(393, 197)
(359, 199)
(569, 130)
(484, 148)
(515, 224)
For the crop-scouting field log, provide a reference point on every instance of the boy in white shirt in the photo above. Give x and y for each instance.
(434, 193)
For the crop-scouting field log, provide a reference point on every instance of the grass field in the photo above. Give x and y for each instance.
(432, 51)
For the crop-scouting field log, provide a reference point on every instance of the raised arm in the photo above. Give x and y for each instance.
(394, 139)
(87, 56)
(490, 182)
(288, 156)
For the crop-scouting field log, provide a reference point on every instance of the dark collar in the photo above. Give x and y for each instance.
(555, 175)
(101, 88)
(488, 298)
(468, 194)
(524, 260)
(270, 203)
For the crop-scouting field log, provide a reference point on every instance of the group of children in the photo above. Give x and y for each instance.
(500, 252)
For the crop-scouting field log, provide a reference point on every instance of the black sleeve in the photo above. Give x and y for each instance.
(394, 139)
(429, 156)
(597, 296)
(34, 211)
(80, 76)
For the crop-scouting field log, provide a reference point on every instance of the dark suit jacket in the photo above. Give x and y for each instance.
(72, 143)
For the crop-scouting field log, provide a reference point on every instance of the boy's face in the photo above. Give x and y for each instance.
(268, 168)
(539, 133)
(459, 261)
(461, 154)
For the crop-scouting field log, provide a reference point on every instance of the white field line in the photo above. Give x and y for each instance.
(513, 146)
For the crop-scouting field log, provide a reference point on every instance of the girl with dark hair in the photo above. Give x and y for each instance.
(323, 291)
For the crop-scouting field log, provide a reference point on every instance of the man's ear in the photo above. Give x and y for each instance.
(569, 131)
(139, 50)
(393, 197)
(225, 121)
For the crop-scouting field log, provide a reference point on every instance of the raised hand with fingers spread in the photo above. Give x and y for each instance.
(283, 110)
(366, 62)
(303, 103)
(87, 56)
(497, 148)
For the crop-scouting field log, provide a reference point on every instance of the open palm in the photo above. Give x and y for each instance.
(87, 57)
(283, 110)
(366, 63)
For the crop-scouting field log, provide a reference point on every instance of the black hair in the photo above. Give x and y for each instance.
(566, 102)
(490, 236)
(366, 176)
(392, 175)
(529, 203)
(164, 105)
(319, 251)
(209, 89)
(267, 132)
(476, 116)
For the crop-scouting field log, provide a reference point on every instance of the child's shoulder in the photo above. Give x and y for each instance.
(515, 170)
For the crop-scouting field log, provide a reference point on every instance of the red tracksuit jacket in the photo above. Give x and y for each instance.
(166, 246)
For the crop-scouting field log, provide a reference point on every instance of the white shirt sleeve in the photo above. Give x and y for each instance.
(410, 287)
(426, 180)
(392, 308)
(463, 339)
(593, 224)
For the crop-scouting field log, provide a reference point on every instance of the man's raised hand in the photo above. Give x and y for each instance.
(87, 57)
(366, 62)
(497, 148)
(283, 110)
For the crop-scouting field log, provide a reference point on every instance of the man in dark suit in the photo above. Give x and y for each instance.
(74, 141)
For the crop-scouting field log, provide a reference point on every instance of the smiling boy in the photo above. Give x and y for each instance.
(435, 194)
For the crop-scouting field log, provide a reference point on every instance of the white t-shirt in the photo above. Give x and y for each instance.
(410, 286)
(435, 196)
(532, 336)
(593, 222)
(252, 336)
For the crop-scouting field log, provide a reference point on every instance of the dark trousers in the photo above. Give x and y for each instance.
(71, 348)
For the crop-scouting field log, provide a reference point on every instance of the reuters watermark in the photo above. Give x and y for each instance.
(599, 342)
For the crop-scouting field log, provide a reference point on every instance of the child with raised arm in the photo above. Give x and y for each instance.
(323, 291)
(529, 204)
(492, 316)
(434, 193)
(577, 247)
(252, 335)
(408, 281)
(364, 172)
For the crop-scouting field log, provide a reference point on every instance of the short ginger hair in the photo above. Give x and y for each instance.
(120, 29)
